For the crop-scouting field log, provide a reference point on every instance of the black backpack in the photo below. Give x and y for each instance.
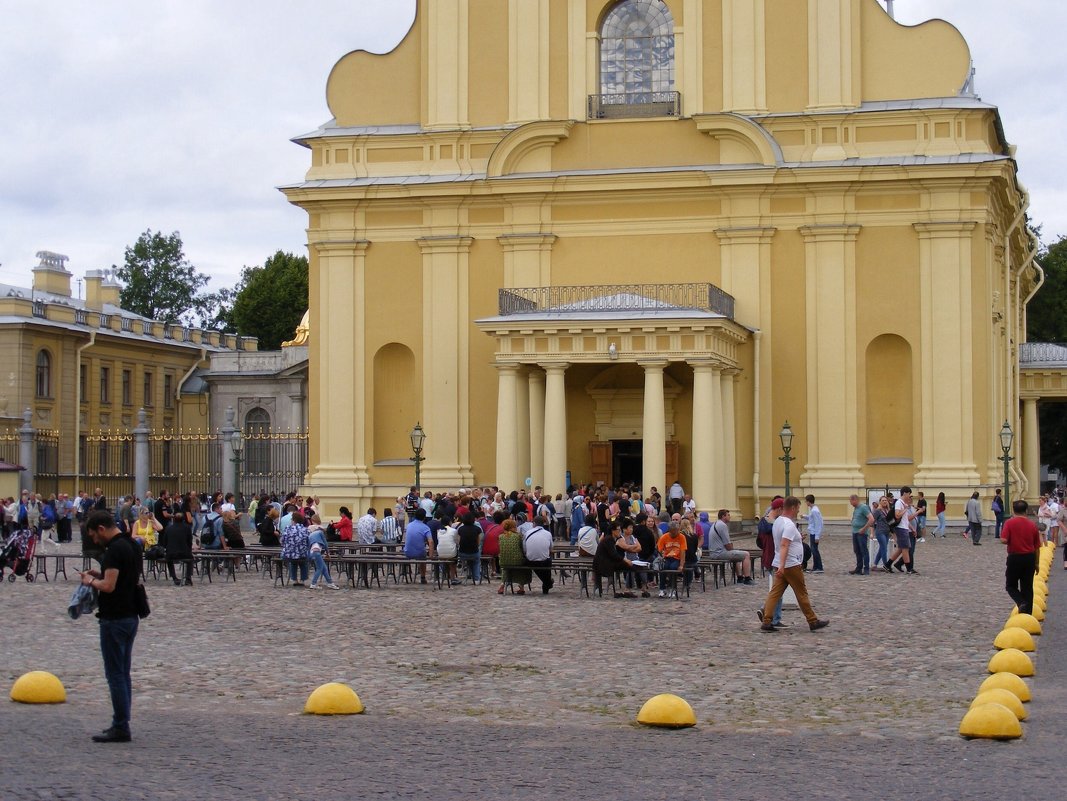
(331, 533)
(207, 532)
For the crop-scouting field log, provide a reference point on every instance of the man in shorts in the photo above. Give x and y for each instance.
(720, 547)
(902, 513)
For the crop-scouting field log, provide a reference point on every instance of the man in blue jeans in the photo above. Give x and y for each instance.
(116, 582)
(862, 523)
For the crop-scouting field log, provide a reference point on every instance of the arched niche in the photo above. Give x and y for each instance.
(889, 412)
(397, 401)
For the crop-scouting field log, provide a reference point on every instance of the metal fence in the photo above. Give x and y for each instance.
(106, 461)
(9, 445)
(185, 463)
(272, 463)
(46, 454)
(615, 298)
(634, 104)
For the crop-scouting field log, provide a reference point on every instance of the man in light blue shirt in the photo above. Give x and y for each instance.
(815, 524)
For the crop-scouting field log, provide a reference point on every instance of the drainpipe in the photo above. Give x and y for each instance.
(78, 412)
(1024, 482)
(181, 383)
(755, 420)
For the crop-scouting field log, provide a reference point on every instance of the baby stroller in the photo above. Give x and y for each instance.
(17, 555)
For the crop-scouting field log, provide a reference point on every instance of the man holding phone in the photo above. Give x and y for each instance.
(116, 582)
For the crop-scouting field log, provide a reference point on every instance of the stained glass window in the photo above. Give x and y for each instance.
(637, 51)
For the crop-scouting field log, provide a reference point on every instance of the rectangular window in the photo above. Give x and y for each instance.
(83, 382)
(148, 399)
(127, 388)
(105, 385)
(168, 391)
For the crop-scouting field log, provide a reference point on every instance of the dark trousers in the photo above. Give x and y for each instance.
(543, 569)
(816, 557)
(116, 646)
(63, 529)
(187, 567)
(863, 554)
(1019, 580)
(1000, 524)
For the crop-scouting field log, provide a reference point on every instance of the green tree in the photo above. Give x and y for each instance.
(1046, 322)
(158, 282)
(271, 299)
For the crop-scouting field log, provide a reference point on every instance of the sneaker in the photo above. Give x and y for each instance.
(855, 572)
(313, 586)
(674, 594)
(112, 735)
(818, 624)
(899, 566)
(819, 570)
(759, 614)
(921, 539)
(767, 627)
(887, 569)
(662, 594)
(298, 584)
(334, 586)
(913, 572)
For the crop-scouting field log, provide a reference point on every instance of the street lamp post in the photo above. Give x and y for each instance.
(786, 436)
(1007, 436)
(237, 448)
(418, 439)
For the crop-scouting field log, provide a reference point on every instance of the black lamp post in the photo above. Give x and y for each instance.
(1007, 437)
(418, 439)
(786, 436)
(237, 447)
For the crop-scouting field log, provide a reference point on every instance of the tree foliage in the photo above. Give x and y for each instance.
(158, 282)
(1046, 322)
(270, 300)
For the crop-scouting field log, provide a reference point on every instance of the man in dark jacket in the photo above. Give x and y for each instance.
(177, 542)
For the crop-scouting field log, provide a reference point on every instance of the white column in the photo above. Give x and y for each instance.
(718, 473)
(703, 489)
(555, 430)
(654, 433)
(537, 427)
(507, 476)
(1031, 450)
(729, 443)
(522, 429)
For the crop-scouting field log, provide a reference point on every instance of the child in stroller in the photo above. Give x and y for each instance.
(17, 554)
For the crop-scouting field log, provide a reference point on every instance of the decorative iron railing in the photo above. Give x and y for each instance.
(616, 298)
(46, 454)
(39, 309)
(1042, 354)
(634, 104)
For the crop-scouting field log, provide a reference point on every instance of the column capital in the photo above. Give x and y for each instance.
(528, 241)
(653, 364)
(505, 367)
(755, 235)
(445, 244)
(830, 233)
(349, 247)
(947, 229)
(704, 365)
(554, 367)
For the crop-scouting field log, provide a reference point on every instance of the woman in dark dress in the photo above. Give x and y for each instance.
(609, 560)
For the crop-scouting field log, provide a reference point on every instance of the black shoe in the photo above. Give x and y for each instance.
(913, 572)
(818, 624)
(767, 627)
(112, 735)
(855, 572)
(887, 569)
(780, 625)
(177, 582)
(188, 582)
(899, 566)
(759, 612)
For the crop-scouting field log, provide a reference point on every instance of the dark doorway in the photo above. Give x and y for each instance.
(626, 456)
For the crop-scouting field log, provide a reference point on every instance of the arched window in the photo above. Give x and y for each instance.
(44, 374)
(257, 443)
(637, 55)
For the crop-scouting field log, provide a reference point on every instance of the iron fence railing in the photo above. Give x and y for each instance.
(46, 453)
(616, 298)
(1042, 354)
(106, 462)
(634, 104)
(272, 463)
(185, 463)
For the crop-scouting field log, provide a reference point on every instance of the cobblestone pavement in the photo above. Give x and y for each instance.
(473, 694)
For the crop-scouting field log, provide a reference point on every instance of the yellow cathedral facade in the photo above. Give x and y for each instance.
(604, 240)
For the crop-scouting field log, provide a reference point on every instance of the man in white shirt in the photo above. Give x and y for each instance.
(367, 527)
(537, 545)
(815, 526)
(675, 495)
(902, 513)
(788, 558)
(689, 506)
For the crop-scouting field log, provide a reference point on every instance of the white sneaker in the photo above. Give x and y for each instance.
(313, 586)
(921, 539)
(662, 594)
(333, 586)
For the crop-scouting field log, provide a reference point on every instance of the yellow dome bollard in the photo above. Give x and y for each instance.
(1038, 613)
(1004, 698)
(990, 722)
(1007, 681)
(1014, 638)
(38, 687)
(333, 699)
(1040, 587)
(667, 711)
(1011, 660)
(1027, 622)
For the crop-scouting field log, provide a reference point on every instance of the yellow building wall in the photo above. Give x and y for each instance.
(488, 32)
(787, 55)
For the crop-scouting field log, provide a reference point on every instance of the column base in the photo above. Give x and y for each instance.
(947, 477)
(447, 476)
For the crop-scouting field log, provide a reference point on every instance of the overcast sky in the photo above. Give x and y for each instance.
(122, 115)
